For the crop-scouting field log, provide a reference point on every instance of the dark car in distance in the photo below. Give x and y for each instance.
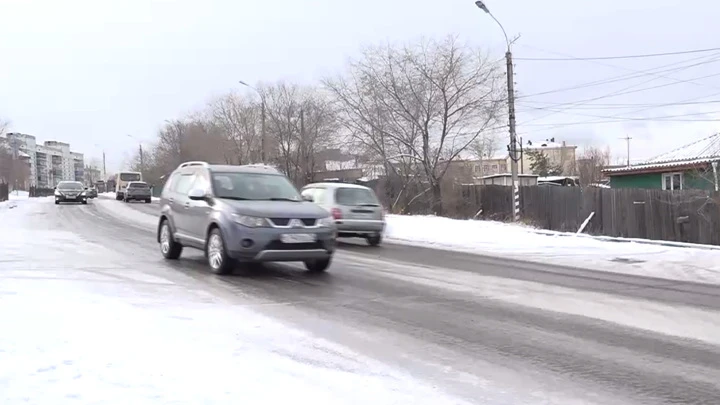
(70, 191)
(138, 191)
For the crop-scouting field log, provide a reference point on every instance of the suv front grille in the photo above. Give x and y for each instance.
(286, 221)
(277, 245)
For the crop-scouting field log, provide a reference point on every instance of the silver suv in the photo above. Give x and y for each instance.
(356, 209)
(242, 214)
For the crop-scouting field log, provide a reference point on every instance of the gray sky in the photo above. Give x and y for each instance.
(89, 72)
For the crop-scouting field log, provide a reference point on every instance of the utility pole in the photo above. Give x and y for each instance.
(512, 147)
(627, 139)
(104, 172)
(303, 146)
(262, 134)
(263, 156)
(142, 161)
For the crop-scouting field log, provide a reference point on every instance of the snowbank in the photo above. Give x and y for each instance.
(520, 242)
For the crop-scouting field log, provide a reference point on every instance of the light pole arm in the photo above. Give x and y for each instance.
(507, 40)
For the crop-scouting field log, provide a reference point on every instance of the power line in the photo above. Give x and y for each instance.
(636, 56)
(592, 122)
(635, 75)
(626, 119)
(621, 92)
(613, 106)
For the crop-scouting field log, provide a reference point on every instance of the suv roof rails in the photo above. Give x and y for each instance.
(261, 166)
(193, 163)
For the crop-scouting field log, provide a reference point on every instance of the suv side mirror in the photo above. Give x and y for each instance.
(86, 188)
(307, 198)
(197, 194)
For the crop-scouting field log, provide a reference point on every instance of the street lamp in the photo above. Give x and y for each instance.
(104, 175)
(142, 161)
(262, 118)
(512, 148)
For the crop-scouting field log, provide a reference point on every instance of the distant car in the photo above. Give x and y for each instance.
(70, 191)
(242, 215)
(356, 210)
(92, 192)
(138, 190)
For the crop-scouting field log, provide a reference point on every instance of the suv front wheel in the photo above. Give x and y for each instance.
(318, 265)
(219, 261)
(168, 247)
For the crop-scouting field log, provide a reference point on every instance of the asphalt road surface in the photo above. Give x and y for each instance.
(461, 322)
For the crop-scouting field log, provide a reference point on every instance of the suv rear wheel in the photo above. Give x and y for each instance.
(318, 265)
(374, 240)
(217, 256)
(170, 249)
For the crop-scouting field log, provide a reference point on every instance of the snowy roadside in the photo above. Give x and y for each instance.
(507, 240)
(88, 328)
(13, 199)
(498, 239)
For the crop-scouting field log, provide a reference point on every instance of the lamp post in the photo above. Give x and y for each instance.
(262, 118)
(512, 148)
(142, 160)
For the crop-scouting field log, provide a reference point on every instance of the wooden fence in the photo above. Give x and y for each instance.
(691, 216)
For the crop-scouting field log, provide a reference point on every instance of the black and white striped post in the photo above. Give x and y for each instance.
(512, 147)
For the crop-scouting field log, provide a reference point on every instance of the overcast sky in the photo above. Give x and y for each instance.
(89, 72)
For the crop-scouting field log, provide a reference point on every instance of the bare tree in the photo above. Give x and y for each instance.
(239, 119)
(300, 123)
(429, 100)
(591, 164)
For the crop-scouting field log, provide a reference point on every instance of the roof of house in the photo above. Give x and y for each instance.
(705, 150)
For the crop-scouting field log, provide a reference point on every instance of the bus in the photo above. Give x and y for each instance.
(121, 181)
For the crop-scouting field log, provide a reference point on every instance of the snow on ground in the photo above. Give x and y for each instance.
(81, 326)
(508, 240)
(523, 243)
(13, 199)
(668, 319)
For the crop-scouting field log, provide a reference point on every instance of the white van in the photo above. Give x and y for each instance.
(121, 182)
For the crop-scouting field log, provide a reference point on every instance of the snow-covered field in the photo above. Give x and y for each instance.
(80, 326)
(507, 240)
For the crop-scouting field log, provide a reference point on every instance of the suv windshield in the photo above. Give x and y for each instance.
(355, 196)
(70, 186)
(253, 186)
(138, 185)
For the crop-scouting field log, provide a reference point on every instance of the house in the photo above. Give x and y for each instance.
(693, 166)
(558, 154)
(506, 180)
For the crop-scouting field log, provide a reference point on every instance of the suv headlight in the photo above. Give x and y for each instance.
(57, 193)
(326, 222)
(250, 222)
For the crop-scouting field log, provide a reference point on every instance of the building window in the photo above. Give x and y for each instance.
(672, 181)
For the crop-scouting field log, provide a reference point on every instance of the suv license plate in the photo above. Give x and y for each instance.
(297, 238)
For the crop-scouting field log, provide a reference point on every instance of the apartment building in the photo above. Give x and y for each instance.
(50, 162)
(558, 154)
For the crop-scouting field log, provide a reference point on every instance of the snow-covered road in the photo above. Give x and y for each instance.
(98, 317)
